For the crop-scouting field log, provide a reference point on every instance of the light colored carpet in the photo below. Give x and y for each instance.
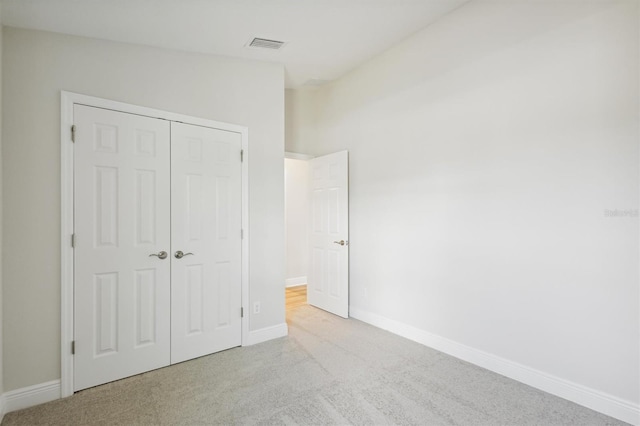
(328, 371)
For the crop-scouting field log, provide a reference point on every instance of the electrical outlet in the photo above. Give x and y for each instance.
(256, 307)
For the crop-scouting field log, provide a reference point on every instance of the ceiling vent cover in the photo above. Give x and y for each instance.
(264, 43)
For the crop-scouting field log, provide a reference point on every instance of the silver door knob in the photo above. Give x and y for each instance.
(341, 242)
(161, 255)
(179, 254)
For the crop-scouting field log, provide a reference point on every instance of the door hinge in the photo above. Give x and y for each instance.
(241, 155)
(241, 312)
(73, 133)
(73, 240)
(73, 347)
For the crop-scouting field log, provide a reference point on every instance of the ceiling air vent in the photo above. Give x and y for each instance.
(264, 43)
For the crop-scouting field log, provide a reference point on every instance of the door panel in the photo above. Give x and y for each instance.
(122, 215)
(206, 223)
(145, 311)
(328, 286)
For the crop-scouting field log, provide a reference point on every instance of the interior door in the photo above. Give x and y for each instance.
(328, 286)
(122, 231)
(206, 241)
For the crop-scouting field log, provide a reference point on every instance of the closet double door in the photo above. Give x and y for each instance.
(157, 251)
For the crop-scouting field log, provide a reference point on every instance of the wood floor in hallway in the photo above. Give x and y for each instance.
(295, 297)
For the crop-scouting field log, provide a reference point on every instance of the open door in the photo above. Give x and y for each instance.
(328, 286)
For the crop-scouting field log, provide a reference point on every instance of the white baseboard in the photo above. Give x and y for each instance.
(31, 395)
(293, 282)
(610, 405)
(268, 333)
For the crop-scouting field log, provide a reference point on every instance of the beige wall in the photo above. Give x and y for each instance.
(37, 66)
(484, 154)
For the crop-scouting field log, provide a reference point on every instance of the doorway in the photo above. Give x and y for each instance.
(317, 230)
(296, 211)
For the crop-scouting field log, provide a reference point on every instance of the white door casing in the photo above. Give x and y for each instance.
(328, 286)
(122, 214)
(206, 228)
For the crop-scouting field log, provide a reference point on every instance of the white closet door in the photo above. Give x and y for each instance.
(206, 224)
(328, 286)
(122, 207)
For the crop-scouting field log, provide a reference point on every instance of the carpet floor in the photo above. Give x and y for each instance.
(328, 371)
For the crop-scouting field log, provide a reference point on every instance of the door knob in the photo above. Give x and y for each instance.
(161, 255)
(342, 242)
(179, 254)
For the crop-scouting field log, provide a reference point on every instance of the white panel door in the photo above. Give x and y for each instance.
(206, 226)
(122, 291)
(328, 281)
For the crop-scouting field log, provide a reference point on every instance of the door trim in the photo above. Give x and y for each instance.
(67, 100)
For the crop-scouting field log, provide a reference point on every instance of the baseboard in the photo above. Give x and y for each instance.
(610, 405)
(268, 333)
(31, 395)
(293, 282)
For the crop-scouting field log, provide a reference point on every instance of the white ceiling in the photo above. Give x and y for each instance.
(325, 38)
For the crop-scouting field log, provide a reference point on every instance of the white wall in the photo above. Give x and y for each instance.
(484, 151)
(296, 195)
(37, 66)
(300, 119)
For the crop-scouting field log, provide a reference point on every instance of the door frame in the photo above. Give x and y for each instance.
(67, 101)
